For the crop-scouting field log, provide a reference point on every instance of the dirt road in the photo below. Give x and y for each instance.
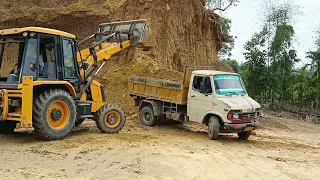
(282, 149)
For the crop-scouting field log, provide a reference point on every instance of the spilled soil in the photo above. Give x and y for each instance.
(168, 151)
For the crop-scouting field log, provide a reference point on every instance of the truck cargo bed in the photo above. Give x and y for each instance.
(149, 88)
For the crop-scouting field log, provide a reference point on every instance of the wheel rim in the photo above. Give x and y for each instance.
(146, 116)
(58, 114)
(112, 119)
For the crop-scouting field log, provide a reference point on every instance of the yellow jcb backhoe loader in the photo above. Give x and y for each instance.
(51, 87)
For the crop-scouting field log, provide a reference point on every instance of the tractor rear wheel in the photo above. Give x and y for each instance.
(7, 127)
(110, 119)
(54, 114)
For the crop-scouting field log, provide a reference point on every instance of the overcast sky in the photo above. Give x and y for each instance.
(246, 19)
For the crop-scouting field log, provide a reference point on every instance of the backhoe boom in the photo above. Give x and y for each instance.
(110, 39)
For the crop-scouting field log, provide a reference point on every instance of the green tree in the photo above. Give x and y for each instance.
(315, 70)
(232, 63)
(254, 69)
(229, 40)
(270, 58)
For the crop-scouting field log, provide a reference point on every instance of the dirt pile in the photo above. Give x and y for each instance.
(181, 33)
(116, 78)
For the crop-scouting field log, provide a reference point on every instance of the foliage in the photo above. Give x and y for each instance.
(314, 82)
(232, 63)
(254, 69)
(228, 44)
(269, 72)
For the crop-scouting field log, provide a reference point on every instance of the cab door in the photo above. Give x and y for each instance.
(199, 103)
(68, 62)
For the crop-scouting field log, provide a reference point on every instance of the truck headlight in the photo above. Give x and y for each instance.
(235, 116)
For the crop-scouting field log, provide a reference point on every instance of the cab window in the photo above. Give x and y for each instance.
(29, 68)
(198, 80)
(68, 59)
(47, 57)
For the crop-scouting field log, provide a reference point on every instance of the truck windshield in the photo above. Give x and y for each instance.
(228, 85)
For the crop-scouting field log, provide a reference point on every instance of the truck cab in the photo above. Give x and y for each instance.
(223, 96)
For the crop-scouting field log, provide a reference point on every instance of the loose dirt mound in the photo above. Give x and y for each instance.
(181, 33)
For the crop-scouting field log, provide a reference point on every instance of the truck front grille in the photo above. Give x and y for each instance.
(247, 116)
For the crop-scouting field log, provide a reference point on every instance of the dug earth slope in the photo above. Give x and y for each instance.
(180, 33)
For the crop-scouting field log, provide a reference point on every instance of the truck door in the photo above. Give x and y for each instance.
(199, 103)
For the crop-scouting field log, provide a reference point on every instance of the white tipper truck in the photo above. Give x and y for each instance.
(214, 98)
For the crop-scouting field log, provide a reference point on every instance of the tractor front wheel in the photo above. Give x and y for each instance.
(110, 119)
(54, 114)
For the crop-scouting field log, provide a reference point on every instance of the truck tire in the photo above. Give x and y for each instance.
(213, 128)
(7, 127)
(54, 114)
(110, 119)
(244, 135)
(79, 121)
(147, 117)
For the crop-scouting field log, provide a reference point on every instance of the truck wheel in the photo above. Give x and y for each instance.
(244, 135)
(147, 117)
(79, 122)
(54, 115)
(213, 128)
(110, 119)
(7, 127)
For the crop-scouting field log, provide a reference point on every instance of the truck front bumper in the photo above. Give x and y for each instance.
(235, 128)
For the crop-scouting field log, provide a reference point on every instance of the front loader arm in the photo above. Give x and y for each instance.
(110, 39)
(103, 53)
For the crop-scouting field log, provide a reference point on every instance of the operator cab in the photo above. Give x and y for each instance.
(42, 53)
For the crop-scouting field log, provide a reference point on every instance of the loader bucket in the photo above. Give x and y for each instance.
(135, 30)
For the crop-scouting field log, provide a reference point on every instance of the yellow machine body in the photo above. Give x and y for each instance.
(16, 104)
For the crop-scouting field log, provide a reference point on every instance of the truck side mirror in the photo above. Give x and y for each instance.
(202, 88)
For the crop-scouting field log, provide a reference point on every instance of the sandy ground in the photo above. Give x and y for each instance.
(282, 149)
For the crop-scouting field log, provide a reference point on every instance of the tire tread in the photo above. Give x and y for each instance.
(39, 124)
(99, 118)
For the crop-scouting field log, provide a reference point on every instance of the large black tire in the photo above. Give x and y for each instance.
(244, 135)
(213, 128)
(7, 127)
(47, 122)
(147, 117)
(110, 119)
(79, 122)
